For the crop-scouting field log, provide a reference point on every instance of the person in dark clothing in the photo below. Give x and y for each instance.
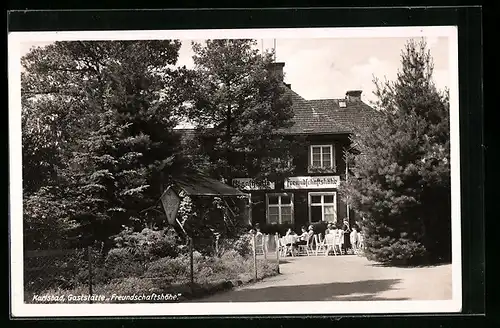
(347, 233)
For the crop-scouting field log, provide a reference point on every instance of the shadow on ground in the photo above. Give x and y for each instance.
(408, 266)
(341, 291)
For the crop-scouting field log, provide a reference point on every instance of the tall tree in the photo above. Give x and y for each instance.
(97, 130)
(402, 187)
(238, 103)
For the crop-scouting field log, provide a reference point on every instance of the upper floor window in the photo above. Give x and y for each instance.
(322, 157)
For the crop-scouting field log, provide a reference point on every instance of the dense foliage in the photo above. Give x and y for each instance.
(401, 182)
(238, 102)
(97, 126)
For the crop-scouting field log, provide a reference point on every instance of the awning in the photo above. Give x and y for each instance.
(199, 185)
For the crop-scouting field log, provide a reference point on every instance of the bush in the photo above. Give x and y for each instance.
(169, 269)
(242, 245)
(397, 251)
(149, 244)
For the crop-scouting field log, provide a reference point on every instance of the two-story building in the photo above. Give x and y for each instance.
(311, 195)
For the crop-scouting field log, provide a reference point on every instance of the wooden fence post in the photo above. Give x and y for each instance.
(265, 241)
(254, 246)
(89, 259)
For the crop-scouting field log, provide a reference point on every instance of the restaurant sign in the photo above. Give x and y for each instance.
(252, 184)
(319, 182)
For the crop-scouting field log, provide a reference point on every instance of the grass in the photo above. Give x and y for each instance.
(167, 276)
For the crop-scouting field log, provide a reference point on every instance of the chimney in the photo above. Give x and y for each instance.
(353, 95)
(278, 69)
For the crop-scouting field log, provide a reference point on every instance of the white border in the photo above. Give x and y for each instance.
(19, 309)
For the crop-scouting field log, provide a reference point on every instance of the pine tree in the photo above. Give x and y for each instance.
(402, 184)
(238, 103)
(105, 112)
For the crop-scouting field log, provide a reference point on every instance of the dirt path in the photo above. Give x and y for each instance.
(337, 278)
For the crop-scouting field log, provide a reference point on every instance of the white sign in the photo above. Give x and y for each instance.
(171, 203)
(320, 182)
(251, 184)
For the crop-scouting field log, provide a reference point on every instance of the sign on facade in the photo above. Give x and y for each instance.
(323, 182)
(170, 202)
(252, 184)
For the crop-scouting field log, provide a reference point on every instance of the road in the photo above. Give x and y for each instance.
(338, 278)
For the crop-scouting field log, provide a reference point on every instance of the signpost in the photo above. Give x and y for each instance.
(171, 202)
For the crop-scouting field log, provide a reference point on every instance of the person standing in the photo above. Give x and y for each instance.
(347, 233)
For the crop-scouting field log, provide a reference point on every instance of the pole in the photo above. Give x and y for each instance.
(89, 259)
(254, 257)
(265, 240)
(276, 241)
(191, 261)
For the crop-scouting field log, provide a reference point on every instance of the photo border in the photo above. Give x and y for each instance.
(456, 148)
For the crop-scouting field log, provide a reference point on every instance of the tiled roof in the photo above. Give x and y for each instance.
(319, 116)
(355, 114)
(311, 120)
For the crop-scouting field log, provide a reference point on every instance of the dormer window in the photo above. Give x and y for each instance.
(322, 157)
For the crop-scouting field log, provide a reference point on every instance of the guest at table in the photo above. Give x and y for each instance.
(302, 240)
(329, 229)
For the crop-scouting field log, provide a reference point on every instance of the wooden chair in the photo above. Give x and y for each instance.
(320, 245)
(288, 245)
(282, 249)
(361, 244)
(330, 243)
(306, 249)
(339, 242)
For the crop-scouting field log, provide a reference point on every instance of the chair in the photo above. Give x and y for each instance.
(361, 244)
(330, 243)
(288, 245)
(307, 248)
(320, 245)
(281, 246)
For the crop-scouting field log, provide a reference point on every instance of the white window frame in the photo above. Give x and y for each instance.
(279, 206)
(332, 156)
(322, 204)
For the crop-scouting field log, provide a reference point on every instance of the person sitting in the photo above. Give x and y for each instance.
(257, 230)
(329, 228)
(303, 237)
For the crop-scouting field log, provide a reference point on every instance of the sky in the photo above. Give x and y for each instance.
(319, 68)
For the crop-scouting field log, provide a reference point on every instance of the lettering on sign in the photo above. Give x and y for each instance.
(251, 184)
(171, 203)
(323, 182)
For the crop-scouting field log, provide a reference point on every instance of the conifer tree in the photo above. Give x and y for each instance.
(402, 174)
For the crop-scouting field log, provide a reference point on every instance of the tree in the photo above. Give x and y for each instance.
(402, 183)
(97, 131)
(238, 104)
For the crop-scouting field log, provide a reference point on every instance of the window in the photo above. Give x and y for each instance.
(322, 207)
(322, 156)
(279, 208)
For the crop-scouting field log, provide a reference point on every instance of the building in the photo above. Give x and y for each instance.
(311, 195)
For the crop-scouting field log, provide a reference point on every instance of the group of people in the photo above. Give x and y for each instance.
(351, 235)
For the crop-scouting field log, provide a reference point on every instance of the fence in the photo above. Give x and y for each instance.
(127, 271)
